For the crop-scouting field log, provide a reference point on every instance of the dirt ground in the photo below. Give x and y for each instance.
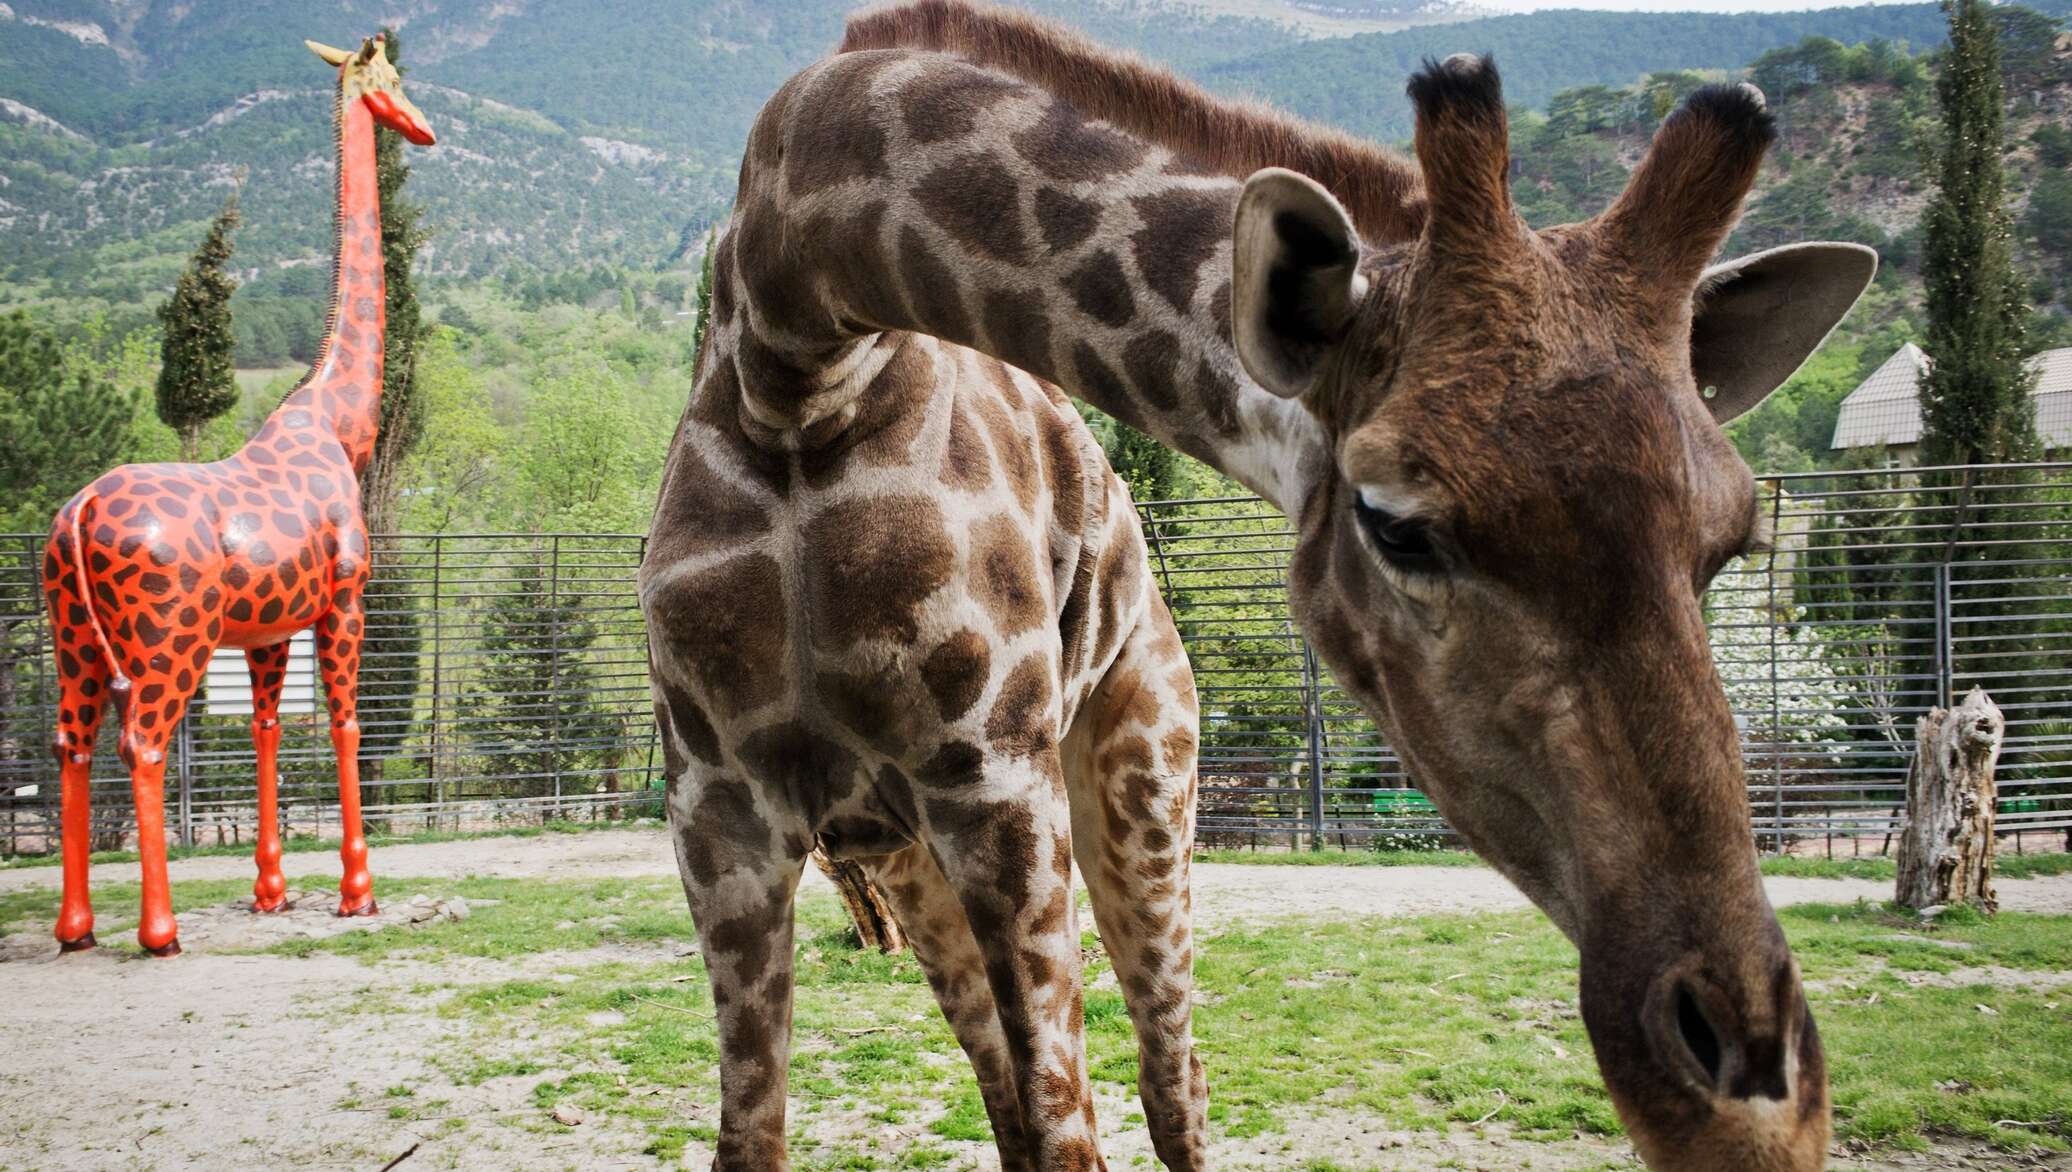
(1225, 893)
(216, 1059)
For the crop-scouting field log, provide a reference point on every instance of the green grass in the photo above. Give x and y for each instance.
(1417, 1023)
(306, 843)
(1341, 857)
(2006, 865)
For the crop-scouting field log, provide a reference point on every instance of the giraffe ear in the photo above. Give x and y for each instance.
(1757, 318)
(1295, 280)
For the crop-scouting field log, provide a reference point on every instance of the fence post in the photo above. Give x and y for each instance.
(654, 736)
(554, 665)
(438, 749)
(1313, 708)
(1776, 709)
(183, 744)
(1945, 647)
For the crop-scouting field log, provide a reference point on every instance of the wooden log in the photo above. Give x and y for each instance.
(876, 926)
(1946, 846)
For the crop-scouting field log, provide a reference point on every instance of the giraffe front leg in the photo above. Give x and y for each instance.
(268, 667)
(1002, 836)
(941, 937)
(339, 634)
(740, 876)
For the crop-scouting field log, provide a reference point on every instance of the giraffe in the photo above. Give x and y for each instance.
(153, 566)
(1500, 448)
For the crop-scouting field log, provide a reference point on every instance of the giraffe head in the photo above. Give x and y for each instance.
(1525, 493)
(367, 76)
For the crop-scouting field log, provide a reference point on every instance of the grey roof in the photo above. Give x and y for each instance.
(1886, 407)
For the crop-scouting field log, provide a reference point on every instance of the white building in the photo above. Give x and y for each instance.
(1886, 407)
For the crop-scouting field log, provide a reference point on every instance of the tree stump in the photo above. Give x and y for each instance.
(1946, 847)
(875, 924)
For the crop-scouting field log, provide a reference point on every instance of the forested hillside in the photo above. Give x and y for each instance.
(585, 149)
(608, 130)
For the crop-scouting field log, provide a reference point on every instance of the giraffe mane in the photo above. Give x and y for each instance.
(316, 363)
(1381, 190)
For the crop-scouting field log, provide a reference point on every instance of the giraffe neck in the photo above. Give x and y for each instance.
(342, 391)
(896, 191)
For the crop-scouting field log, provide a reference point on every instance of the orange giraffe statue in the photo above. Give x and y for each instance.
(153, 566)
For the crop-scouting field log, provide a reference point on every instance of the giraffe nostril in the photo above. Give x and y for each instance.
(1697, 1033)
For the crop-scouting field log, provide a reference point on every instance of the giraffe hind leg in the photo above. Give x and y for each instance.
(1130, 768)
(949, 955)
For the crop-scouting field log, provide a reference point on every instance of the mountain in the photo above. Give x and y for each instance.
(593, 132)
(1357, 82)
(570, 134)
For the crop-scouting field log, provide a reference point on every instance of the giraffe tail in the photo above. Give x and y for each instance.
(118, 682)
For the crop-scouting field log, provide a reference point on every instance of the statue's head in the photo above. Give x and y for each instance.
(366, 76)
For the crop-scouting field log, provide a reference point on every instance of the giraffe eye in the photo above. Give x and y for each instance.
(1405, 543)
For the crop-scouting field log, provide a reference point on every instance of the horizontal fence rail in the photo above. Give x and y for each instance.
(504, 676)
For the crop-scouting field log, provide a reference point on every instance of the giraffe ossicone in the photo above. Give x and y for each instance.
(152, 567)
(920, 625)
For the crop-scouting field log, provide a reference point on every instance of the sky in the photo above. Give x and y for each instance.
(1677, 5)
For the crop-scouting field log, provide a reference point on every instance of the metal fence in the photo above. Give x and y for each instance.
(1888, 591)
(503, 679)
(504, 676)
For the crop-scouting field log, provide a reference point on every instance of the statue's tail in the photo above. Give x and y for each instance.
(86, 500)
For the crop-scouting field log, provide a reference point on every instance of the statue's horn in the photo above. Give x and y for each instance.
(330, 55)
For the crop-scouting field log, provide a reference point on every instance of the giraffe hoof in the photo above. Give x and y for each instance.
(275, 906)
(168, 949)
(365, 909)
(83, 944)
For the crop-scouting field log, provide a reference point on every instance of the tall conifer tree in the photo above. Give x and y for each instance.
(1975, 403)
(402, 414)
(197, 376)
(395, 639)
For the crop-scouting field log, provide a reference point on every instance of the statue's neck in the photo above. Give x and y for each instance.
(995, 218)
(342, 391)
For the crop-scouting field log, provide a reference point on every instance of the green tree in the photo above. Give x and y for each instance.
(64, 424)
(388, 673)
(2049, 219)
(197, 379)
(536, 714)
(456, 465)
(1975, 403)
(402, 418)
(701, 315)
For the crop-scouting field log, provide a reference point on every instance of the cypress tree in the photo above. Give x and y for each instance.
(402, 414)
(395, 640)
(1975, 403)
(197, 376)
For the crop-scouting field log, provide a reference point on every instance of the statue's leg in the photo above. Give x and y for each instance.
(150, 711)
(269, 669)
(82, 700)
(339, 635)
